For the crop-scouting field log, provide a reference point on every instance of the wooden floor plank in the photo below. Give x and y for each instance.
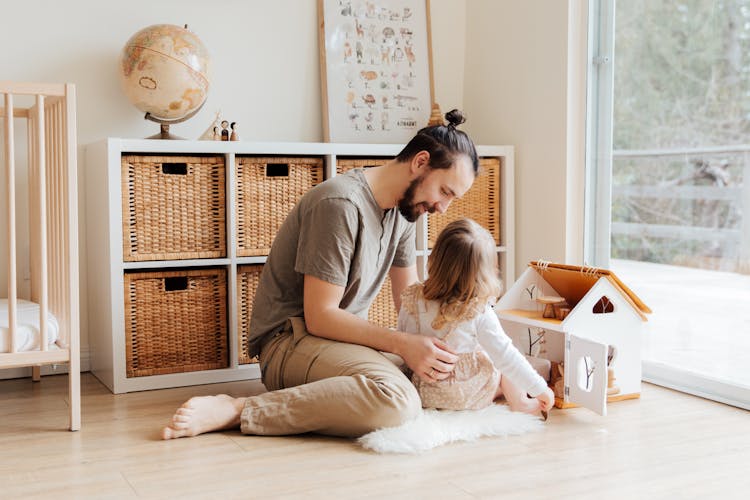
(663, 445)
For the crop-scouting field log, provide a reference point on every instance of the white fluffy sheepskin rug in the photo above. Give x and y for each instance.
(438, 427)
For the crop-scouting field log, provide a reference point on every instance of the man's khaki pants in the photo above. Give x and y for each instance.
(328, 387)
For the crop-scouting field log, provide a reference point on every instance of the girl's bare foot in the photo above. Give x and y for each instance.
(525, 405)
(517, 399)
(204, 414)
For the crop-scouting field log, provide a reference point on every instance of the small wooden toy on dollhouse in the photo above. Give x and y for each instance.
(581, 328)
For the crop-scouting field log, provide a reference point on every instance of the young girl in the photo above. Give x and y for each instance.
(453, 304)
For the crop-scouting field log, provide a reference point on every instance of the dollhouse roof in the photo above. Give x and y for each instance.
(573, 282)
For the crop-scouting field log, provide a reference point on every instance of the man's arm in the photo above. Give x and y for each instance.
(401, 277)
(324, 318)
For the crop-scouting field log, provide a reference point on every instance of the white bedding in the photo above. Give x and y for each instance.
(27, 327)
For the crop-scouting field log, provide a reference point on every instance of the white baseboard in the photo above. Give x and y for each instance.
(46, 369)
(696, 384)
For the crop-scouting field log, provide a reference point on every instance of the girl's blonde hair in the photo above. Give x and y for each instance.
(462, 272)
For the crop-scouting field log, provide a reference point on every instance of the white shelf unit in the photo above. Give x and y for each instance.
(104, 240)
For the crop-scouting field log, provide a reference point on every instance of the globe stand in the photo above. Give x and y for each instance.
(164, 134)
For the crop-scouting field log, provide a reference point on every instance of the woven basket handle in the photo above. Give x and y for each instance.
(176, 284)
(277, 170)
(177, 168)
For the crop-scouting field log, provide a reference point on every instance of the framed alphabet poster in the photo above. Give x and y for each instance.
(375, 69)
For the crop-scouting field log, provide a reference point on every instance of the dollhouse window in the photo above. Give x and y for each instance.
(585, 373)
(603, 306)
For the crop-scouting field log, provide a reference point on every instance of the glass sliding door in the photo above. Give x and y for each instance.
(668, 205)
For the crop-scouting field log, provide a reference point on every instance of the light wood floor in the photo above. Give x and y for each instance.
(664, 445)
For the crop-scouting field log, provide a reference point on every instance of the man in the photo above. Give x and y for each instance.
(320, 358)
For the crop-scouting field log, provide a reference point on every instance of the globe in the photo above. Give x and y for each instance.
(165, 73)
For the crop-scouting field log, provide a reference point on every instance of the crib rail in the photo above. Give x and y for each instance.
(53, 223)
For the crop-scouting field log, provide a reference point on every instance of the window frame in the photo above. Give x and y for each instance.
(598, 197)
(600, 91)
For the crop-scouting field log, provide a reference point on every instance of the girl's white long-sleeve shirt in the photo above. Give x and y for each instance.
(417, 315)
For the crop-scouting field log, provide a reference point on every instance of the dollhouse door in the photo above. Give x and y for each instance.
(586, 373)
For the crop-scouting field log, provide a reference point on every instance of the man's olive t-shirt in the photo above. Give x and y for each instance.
(339, 234)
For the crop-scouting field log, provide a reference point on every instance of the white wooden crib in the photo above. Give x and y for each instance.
(52, 219)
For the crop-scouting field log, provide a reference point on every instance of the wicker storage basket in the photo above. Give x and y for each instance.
(343, 165)
(382, 311)
(248, 278)
(173, 207)
(175, 321)
(267, 189)
(481, 203)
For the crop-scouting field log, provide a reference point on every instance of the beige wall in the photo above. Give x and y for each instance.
(266, 74)
(516, 93)
(503, 61)
(265, 60)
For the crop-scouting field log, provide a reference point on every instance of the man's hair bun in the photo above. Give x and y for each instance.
(455, 118)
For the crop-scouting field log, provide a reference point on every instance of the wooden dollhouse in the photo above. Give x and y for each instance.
(585, 324)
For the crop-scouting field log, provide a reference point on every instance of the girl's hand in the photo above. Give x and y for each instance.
(546, 399)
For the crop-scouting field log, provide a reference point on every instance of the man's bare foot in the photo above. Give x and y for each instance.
(204, 414)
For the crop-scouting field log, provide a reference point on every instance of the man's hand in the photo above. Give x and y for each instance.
(430, 358)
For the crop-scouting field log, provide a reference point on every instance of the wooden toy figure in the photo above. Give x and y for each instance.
(234, 135)
(612, 388)
(212, 132)
(224, 130)
(557, 380)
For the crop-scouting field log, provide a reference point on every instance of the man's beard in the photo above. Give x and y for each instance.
(406, 205)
